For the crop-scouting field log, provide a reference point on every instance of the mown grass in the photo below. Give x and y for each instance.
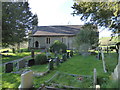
(79, 65)
(15, 56)
(76, 65)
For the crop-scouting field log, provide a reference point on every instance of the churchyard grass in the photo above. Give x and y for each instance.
(80, 65)
(14, 56)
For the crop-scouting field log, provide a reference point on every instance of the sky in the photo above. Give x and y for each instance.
(57, 12)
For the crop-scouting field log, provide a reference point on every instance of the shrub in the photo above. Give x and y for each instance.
(58, 46)
(40, 59)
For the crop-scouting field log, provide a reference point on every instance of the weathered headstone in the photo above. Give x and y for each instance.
(48, 55)
(51, 64)
(64, 57)
(21, 64)
(32, 53)
(31, 62)
(57, 61)
(13, 50)
(26, 80)
(94, 77)
(9, 67)
(68, 54)
(71, 53)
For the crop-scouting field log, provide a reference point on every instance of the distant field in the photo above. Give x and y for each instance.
(107, 41)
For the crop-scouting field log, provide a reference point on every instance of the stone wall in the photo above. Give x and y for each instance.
(42, 41)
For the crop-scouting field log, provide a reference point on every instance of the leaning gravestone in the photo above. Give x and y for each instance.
(21, 64)
(31, 62)
(26, 80)
(8, 67)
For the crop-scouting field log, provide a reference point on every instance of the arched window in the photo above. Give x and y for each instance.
(36, 44)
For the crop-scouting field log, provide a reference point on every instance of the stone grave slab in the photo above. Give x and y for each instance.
(8, 67)
(26, 80)
(31, 62)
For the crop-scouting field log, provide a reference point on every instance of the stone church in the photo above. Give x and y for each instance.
(44, 36)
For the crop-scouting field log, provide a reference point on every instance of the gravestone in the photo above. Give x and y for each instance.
(26, 80)
(51, 64)
(21, 64)
(57, 61)
(94, 77)
(56, 53)
(71, 53)
(13, 50)
(8, 67)
(32, 54)
(48, 55)
(31, 62)
(64, 57)
(68, 54)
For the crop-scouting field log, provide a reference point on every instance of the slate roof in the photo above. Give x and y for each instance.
(63, 30)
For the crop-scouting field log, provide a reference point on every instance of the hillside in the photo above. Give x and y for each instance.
(106, 40)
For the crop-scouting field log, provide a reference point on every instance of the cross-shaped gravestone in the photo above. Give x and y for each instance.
(26, 80)
(9, 67)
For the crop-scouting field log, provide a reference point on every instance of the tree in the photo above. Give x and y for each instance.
(17, 21)
(100, 13)
(88, 37)
(58, 46)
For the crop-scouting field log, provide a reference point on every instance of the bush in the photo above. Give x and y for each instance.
(58, 46)
(40, 59)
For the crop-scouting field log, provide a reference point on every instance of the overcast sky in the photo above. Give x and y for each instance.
(57, 12)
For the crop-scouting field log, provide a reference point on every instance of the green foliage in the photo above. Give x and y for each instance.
(40, 59)
(87, 37)
(16, 25)
(101, 13)
(58, 46)
(88, 34)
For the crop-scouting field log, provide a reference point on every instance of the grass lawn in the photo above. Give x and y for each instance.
(14, 56)
(79, 65)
